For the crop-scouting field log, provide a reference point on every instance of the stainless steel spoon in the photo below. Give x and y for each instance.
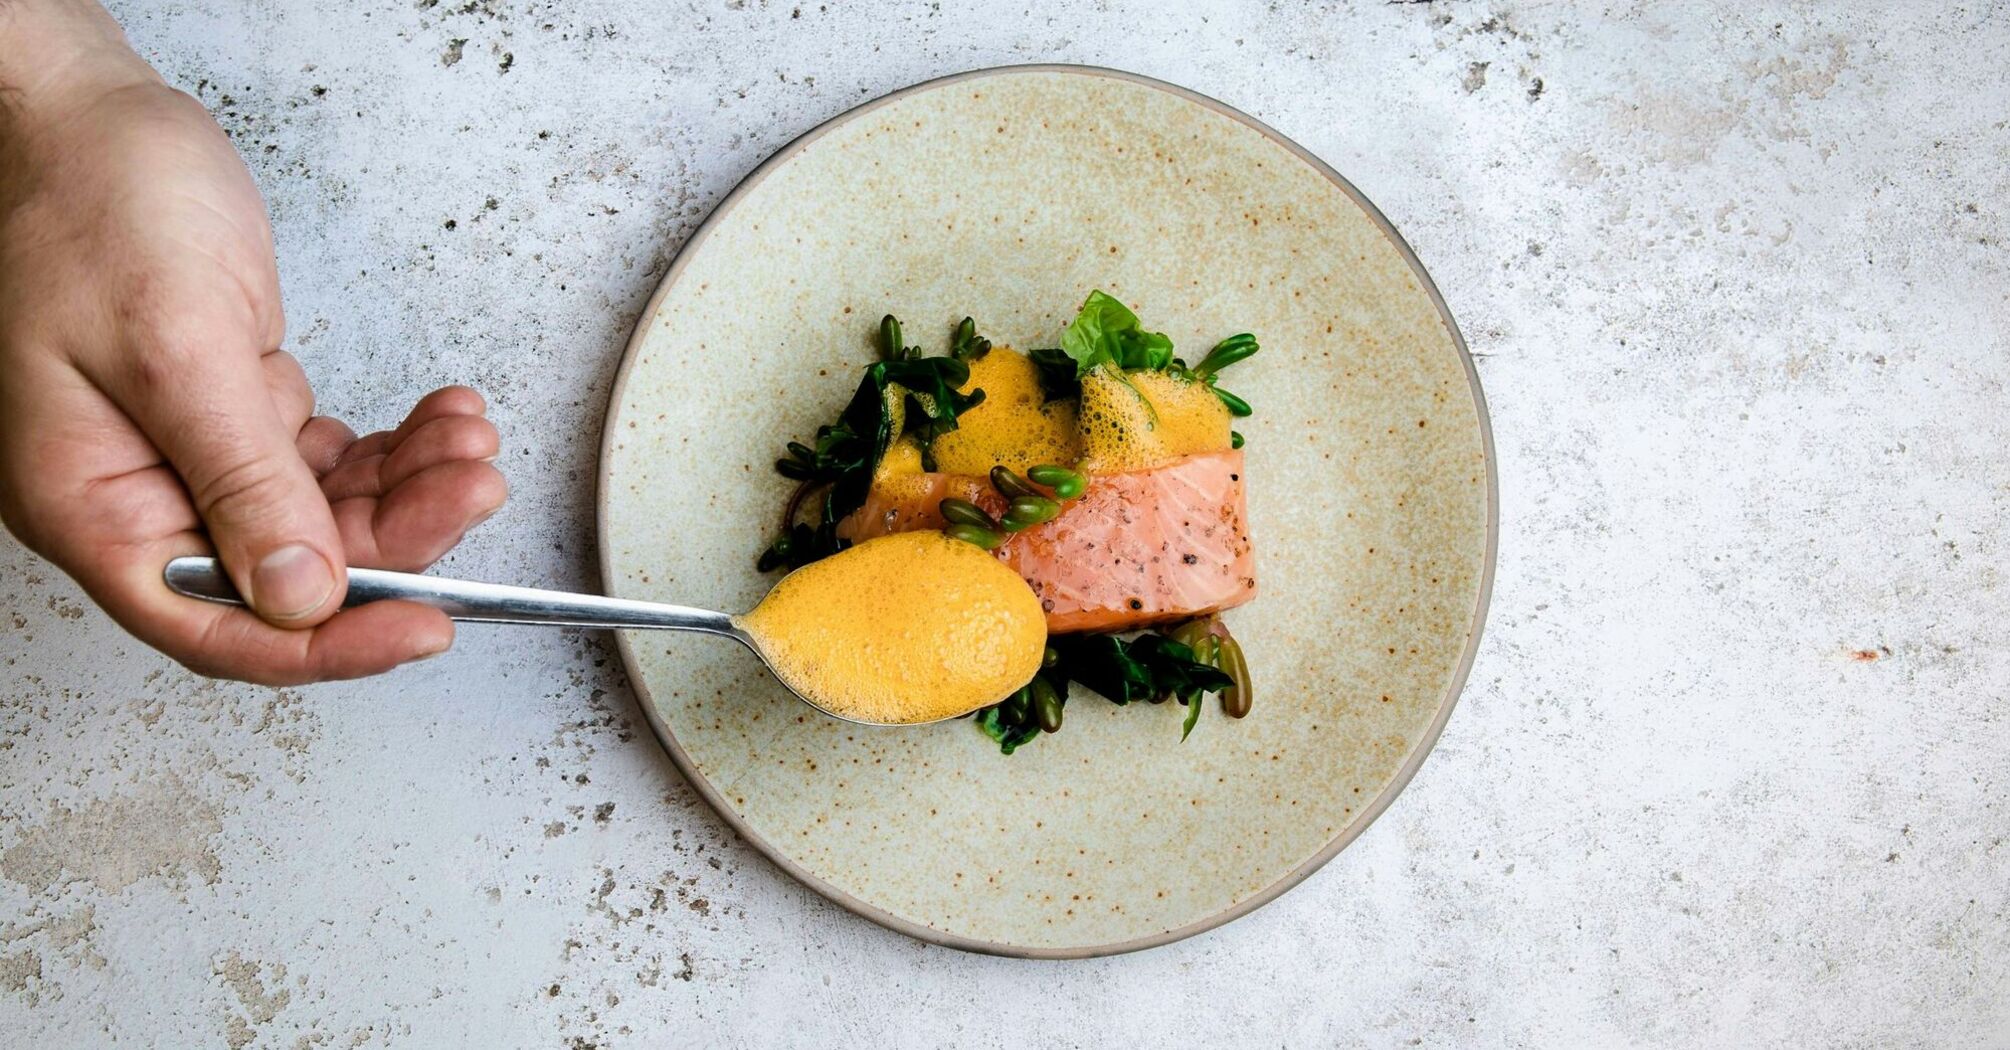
(499, 603)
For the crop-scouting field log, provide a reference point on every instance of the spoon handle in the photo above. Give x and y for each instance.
(467, 600)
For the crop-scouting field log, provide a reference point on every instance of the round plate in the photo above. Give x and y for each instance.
(1007, 195)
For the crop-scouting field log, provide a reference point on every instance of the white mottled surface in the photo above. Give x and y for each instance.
(1732, 766)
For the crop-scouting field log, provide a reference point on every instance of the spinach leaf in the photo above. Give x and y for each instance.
(1151, 666)
(1009, 735)
(847, 452)
(1059, 377)
(1102, 662)
(1106, 334)
(800, 545)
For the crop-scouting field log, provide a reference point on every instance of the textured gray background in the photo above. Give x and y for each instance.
(1734, 764)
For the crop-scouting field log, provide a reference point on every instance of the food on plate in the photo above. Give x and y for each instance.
(1134, 548)
(899, 629)
(1104, 473)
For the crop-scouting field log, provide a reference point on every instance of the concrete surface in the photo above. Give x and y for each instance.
(1732, 768)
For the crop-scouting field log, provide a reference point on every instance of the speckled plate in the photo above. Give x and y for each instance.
(1008, 194)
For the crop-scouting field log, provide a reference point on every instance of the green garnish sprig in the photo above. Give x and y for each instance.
(1067, 484)
(845, 453)
(1010, 485)
(891, 346)
(1025, 506)
(965, 344)
(1106, 334)
(968, 522)
(1183, 665)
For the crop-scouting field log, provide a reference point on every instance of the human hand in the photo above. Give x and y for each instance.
(146, 410)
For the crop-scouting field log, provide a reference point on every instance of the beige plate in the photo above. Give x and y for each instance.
(1008, 194)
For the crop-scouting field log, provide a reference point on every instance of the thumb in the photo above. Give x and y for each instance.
(210, 414)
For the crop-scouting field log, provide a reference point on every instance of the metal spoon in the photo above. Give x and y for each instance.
(467, 600)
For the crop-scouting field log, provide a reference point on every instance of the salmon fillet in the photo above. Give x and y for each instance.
(1137, 548)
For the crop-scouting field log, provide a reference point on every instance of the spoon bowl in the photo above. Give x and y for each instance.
(473, 602)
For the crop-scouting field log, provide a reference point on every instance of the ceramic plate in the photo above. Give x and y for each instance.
(1008, 195)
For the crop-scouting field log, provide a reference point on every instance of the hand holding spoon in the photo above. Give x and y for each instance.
(901, 630)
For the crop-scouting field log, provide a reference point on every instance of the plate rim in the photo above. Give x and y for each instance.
(667, 740)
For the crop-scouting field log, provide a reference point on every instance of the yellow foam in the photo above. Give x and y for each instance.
(904, 628)
(1015, 426)
(1154, 419)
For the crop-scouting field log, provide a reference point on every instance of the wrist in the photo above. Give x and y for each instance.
(58, 56)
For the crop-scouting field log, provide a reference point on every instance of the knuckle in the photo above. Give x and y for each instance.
(281, 365)
(148, 309)
(471, 437)
(288, 385)
(248, 491)
(165, 353)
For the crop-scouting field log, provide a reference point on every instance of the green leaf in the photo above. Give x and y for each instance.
(801, 545)
(1175, 669)
(1103, 662)
(1059, 378)
(1150, 665)
(846, 452)
(863, 433)
(1107, 333)
(1122, 670)
(1008, 735)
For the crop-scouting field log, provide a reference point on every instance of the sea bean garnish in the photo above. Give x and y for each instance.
(963, 512)
(1206, 650)
(1018, 706)
(1028, 511)
(1046, 704)
(1225, 353)
(1235, 699)
(976, 535)
(891, 348)
(1066, 483)
(1010, 485)
(1189, 633)
(1236, 406)
(966, 344)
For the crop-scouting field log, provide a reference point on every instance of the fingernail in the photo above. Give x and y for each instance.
(291, 582)
(431, 649)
